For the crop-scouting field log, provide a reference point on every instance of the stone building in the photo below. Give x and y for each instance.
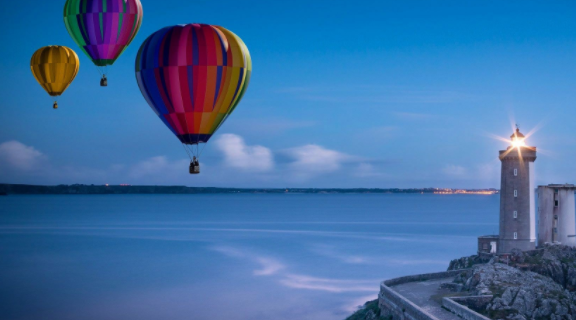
(487, 244)
(517, 205)
(556, 214)
(556, 205)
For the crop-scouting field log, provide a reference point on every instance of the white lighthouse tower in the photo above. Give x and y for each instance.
(517, 205)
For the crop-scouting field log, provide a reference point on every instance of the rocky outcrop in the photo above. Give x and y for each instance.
(519, 294)
(533, 285)
(467, 262)
(555, 261)
(369, 311)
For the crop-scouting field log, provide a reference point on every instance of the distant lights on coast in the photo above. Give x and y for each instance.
(464, 191)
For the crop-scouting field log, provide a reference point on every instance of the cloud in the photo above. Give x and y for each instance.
(19, 155)
(333, 252)
(239, 155)
(230, 252)
(269, 267)
(317, 159)
(329, 285)
(149, 166)
(240, 161)
(454, 170)
(18, 161)
(156, 165)
(366, 170)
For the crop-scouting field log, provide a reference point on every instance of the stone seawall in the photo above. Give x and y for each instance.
(458, 306)
(398, 307)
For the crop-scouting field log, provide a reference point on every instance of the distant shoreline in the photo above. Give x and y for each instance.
(129, 189)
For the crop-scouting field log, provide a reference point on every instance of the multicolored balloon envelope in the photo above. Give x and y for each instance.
(103, 28)
(54, 67)
(193, 76)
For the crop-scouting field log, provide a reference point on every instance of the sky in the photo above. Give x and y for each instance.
(343, 94)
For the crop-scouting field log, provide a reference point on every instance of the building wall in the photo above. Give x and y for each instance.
(545, 215)
(485, 244)
(397, 307)
(459, 306)
(523, 203)
(532, 193)
(565, 213)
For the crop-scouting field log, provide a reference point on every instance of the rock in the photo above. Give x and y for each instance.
(370, 311)
(534, 285)
(508, 296)
(520, 294)
(467, 262)
(545, 309)
(555, 261)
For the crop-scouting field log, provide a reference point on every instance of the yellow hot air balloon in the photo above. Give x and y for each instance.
(54, 67)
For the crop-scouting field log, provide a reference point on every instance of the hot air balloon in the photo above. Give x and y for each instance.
(54, 67)
(103, 28)
(193, 76)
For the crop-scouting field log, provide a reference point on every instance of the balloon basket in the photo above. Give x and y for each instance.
(104, 82)
(194, 169)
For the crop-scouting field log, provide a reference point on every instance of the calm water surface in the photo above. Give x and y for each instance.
(217, 257)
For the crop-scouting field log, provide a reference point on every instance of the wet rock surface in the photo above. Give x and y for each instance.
(538, 284)
(369, 311)
(519, 294)
(533, 285)
(467, 262)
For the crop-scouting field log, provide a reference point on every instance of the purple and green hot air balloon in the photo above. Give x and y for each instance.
(103, 29)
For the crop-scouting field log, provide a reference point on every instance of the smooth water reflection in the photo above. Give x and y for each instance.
(243, 256)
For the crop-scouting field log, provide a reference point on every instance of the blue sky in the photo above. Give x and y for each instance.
(343, 94)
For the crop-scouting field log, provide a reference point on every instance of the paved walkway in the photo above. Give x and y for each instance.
(420, 293)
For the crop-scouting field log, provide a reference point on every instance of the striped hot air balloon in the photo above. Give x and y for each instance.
(193, 76)
(103, 29)
(54, 67)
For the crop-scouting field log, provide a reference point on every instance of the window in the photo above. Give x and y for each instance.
(556, 203)
(515, 193)
(555, 221)
(515, 214)
(515, 172)
(515, 235)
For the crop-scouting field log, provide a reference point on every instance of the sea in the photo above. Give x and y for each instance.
(224, 256)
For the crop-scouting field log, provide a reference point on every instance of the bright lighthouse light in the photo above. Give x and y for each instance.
(516, 142)
(517, 139)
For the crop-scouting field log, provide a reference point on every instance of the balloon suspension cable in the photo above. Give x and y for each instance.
(198, 152)
(188, 152)
(201, 150)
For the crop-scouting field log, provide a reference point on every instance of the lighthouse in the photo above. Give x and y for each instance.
(517, 205)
